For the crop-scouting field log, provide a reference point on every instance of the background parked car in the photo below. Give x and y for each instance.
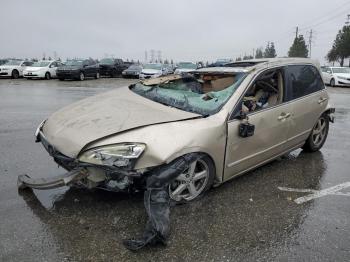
(42, 69)
(153, 70)
(78, 69)
(132, 71)
(184, 67)
(336, 76)
(113, 67)
(14, 68)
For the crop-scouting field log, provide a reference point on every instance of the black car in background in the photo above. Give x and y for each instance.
(78, 69)
(113, 67)
(133, 71)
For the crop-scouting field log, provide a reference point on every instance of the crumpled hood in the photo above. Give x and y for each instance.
(90, 119)
(151, 71)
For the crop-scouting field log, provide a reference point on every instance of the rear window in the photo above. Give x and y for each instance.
(303, 80)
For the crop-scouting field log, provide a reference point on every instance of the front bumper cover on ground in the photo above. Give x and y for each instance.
(24, 181)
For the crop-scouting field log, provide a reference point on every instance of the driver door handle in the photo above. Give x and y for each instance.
(283, 116)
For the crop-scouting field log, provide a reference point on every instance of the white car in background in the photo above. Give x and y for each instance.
(153, 70)
(42, 69)
(185, 67)
(336, 76)
(14, 68)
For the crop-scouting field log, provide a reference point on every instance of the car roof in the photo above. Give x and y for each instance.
(254, 64)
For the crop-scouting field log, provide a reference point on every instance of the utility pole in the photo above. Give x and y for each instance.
(296, 32)
(310, 42)
(348, 21)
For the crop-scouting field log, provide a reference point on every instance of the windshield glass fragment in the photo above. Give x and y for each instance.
(203, 94)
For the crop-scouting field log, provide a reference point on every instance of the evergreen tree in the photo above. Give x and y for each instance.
(259, 53)
(238, 59)
(270, 51)
(298, 48)
(247, 57)
(341, 46)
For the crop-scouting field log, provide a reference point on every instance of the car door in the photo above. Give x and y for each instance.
(307, 94)
(269, 139)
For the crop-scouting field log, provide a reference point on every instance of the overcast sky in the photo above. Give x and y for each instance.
(181, 29)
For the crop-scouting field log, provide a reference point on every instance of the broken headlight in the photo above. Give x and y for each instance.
(119, 155)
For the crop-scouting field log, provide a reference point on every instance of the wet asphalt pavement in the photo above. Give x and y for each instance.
(246, 219)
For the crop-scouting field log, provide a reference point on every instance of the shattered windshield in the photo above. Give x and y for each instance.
(201, 94)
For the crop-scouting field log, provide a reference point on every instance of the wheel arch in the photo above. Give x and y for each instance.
(198, 150)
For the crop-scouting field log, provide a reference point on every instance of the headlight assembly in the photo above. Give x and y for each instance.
(119, 155)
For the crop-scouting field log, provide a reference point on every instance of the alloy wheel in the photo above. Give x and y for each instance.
(190, 183)
(319, 132)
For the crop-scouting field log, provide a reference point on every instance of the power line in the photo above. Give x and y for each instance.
(337, 15)
(321, 17)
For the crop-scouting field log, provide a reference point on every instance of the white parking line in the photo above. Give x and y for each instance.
(334, 190)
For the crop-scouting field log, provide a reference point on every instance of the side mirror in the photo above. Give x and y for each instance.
(245, 129)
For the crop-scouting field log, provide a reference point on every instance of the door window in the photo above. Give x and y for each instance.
(266, 91)
(303, 80)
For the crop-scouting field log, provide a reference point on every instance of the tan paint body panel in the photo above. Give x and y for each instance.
(168, 141)
(80, 123)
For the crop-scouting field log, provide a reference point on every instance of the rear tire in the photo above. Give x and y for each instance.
(318, 135)
(332, 83)
(61, 79)
(15, 74)
(47, 76)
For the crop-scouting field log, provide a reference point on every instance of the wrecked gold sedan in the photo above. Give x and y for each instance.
(224, 120)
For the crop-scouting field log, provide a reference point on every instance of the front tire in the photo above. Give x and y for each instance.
(81, 76)
(194, 181)
(318, 135)
(15, 74)
(332, 83)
